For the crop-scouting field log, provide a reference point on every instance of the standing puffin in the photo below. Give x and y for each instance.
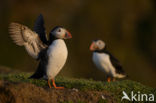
(52, 53)
(105, 61)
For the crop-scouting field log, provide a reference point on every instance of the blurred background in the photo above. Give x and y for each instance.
(127, 26)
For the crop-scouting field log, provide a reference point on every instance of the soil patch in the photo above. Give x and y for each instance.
(11, 92)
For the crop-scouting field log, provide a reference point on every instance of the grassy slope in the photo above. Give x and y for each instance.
(115, 88)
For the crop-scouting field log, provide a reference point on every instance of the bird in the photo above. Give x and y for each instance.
(50, 52)
(105, 61)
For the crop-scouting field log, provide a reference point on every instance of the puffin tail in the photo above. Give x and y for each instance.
(40, 72)
(121, 75)
(37, 75)
(34, 76)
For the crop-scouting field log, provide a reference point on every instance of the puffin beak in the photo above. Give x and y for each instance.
(92, 47)
(67, 35)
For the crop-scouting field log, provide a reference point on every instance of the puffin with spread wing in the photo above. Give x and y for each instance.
(52, 53)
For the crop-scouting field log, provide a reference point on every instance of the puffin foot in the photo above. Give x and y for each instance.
(53, 81)
(108, 79)
(49, 84)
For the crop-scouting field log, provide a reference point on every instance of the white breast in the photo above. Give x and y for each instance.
(102, 61)
(57, 53)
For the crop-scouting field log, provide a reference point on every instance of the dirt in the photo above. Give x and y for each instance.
(15, 92)
(28, 93)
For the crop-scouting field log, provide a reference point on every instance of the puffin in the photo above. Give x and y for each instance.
(51, 53)
(105, 61)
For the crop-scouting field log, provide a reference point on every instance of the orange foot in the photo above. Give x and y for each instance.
(108, 79)
(49, 84)
(53, 81)
(54, 85)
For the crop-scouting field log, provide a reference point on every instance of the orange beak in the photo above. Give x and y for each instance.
(68, 35)
(92, 47)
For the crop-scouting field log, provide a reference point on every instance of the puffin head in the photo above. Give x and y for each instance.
(97, 45)
(60, 33)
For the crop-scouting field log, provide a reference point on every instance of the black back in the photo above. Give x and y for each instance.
(115, 62)
(40, 29)
(51, 36)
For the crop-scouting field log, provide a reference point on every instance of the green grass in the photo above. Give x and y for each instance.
(115, 88)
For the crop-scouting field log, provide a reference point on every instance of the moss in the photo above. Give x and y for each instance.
(115, 88)
(102, 101)
(79, 101)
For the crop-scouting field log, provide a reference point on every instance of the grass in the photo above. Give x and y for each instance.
(115, 88)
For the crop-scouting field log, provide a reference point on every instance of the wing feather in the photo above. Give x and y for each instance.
(117, 65)
(115, 62)
(40, 29)
(23, 36)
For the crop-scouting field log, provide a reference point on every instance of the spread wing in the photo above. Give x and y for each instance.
(40, 29)
(23, 36)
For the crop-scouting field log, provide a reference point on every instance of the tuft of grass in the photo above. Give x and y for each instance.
(115, 88)
(22, 77)
(102, 101)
